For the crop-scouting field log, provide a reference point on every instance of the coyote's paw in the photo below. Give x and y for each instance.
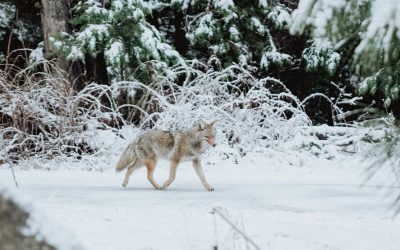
(210, 189)
(124, 184)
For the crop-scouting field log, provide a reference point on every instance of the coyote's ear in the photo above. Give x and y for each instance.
(213, 122)
(200, 124)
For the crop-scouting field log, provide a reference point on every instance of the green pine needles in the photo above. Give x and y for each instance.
(368, 32)
(118, 30)
(239, 32)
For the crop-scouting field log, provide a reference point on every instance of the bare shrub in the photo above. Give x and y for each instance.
(251, 112)
(42, 115)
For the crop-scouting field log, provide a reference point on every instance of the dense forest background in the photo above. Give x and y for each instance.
(68, 63)
(108, 41)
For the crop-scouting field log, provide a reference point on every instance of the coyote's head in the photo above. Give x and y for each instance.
(206, 132)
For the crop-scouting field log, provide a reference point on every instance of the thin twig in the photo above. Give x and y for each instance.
(216, 210)
(15, 179)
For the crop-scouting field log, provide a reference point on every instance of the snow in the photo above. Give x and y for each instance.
(225, 5)
(234, 33)
(7, 12)
(205, 27)
(263, 3)
(274, 57)
(282, 201)
(242, 60)
(257, 25)
(94, 7)
(75, 53)
(92, 34)
(184, 4)
(151, 41)
(36, 55)
(114, 52)
(382, 24)
(117, 5)
(321, 55)
(38, 223)
(279, 16)
(315, 12)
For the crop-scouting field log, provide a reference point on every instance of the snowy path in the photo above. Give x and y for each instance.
(280, 208)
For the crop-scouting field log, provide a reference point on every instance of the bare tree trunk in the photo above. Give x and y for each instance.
(96, 69)
(55, 16)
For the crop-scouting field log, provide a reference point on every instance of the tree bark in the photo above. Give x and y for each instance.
(181, 43)
(55, 16)
(96, 69)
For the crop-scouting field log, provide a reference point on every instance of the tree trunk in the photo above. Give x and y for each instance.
(181, 43)
(96, 69)
(55, 16)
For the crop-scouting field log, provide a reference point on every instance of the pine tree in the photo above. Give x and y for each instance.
(132, 47)
(137, 39)
(7, 13)
(236, 31)
(19, 29)
(366, 30)
(370, 32)
(255, 33)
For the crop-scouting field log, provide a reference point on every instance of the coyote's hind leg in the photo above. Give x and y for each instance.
(128, 173)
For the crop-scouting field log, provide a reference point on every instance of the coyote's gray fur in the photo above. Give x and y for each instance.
(175, 146)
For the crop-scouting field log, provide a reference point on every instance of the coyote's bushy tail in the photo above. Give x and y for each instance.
(127, 158)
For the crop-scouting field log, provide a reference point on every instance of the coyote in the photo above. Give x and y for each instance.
(175, 146)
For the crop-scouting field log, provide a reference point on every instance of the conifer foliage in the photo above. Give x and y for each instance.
(366, 30)
(237, 31)
(118, 30)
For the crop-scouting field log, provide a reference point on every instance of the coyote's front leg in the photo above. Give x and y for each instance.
(172, 173)
(199, 171)
(151, 165)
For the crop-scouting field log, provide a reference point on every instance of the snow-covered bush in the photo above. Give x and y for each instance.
(253, 114)
(42, 116)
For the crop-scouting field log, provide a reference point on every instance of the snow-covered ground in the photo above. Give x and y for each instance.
(280, 201)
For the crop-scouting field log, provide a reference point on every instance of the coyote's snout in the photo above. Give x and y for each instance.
(176, 146)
